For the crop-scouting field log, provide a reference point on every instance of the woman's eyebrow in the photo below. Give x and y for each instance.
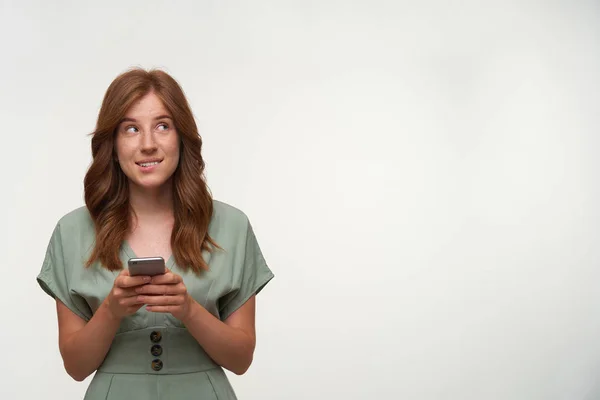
(128, 119)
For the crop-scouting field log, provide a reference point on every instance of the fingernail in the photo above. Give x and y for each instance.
(147, 279)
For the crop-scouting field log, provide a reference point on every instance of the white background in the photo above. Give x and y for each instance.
(422, 178)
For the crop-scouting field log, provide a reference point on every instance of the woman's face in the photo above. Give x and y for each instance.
(147, 144)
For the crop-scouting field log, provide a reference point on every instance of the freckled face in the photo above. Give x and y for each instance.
(147, 144)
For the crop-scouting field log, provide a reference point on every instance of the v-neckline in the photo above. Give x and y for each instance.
(129, 251)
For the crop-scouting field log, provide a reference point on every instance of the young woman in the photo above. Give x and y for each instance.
(167, 336)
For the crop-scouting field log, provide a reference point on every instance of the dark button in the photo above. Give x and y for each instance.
(157, 365)
(155, 336)
(156, 350)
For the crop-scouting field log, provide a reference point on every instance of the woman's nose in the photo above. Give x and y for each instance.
(148, 142)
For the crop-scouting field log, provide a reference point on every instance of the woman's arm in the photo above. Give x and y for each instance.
(231, 343)
(82, 345)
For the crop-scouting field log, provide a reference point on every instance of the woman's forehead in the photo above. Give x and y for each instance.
(150, 106)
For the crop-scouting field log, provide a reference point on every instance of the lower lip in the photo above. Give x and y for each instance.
(149, 168)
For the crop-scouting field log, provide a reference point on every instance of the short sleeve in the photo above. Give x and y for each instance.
(53, 275)
(250, 275)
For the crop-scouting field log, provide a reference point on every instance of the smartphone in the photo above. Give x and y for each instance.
(149, 266)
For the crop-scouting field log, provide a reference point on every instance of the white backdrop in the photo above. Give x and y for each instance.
(422, 179)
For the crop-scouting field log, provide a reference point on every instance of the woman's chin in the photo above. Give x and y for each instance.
(151, 185)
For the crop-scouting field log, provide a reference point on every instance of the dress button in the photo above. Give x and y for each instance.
(155, 336)
(157, 365)
(156, 350)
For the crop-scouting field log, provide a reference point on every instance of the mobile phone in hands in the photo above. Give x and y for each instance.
(148, 266)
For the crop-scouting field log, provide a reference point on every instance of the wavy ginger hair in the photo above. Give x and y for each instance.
(107, 187)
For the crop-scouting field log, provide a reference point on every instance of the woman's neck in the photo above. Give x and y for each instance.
(151, 204)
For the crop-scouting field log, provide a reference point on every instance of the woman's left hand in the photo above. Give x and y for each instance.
(166, 293)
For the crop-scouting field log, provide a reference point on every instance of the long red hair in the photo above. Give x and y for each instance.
(107, 189)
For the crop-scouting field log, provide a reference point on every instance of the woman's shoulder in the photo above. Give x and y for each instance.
(77, 220)
(225, 213)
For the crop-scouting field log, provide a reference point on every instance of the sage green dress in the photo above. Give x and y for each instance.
(153, 356)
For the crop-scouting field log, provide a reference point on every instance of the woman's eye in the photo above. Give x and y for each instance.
(163, 127)
(131, 129)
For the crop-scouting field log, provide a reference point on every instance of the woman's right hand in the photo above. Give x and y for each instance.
(122, 299)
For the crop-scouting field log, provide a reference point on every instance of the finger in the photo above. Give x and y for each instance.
(130, 301)
(161, 289)
(125, 292)
(131, 281)
(167, 278)
(132, 309)
(161, 300)
(162, 309)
